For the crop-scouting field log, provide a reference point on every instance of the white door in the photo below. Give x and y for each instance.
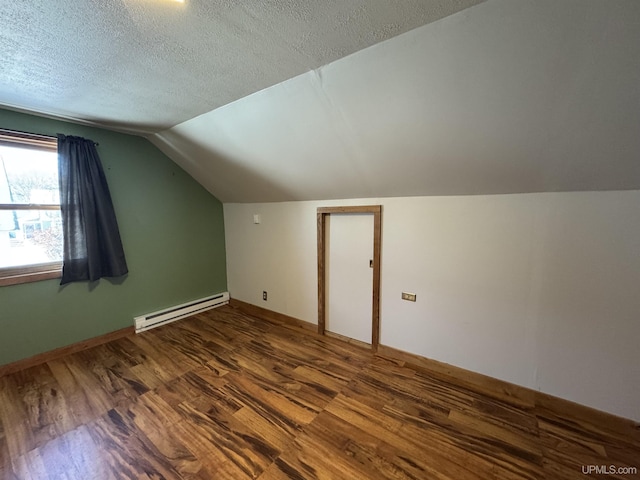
(349, 277)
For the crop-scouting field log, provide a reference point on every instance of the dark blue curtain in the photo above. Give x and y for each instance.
(92, 245)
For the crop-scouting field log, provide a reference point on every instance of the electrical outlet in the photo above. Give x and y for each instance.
(264, 296)
(410, 297)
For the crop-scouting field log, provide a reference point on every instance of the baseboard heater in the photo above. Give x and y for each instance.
(168, 315)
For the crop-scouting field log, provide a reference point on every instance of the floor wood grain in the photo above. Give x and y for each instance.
(224, 395)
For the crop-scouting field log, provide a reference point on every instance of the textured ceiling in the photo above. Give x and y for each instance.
(146, 65)
(504, 97)
(278, 100)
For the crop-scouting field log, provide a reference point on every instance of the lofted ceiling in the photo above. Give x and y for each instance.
(300, 100)
(146, 65)
(505, 97)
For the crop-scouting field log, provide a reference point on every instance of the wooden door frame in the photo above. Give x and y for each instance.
(322, 214)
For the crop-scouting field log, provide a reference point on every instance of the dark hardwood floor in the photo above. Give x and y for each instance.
(224, 395)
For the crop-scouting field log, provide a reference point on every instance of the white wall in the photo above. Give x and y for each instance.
(542, 290)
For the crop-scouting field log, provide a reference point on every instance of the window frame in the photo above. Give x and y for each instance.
(31, 272)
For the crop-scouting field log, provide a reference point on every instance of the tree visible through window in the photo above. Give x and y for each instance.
(31, 240)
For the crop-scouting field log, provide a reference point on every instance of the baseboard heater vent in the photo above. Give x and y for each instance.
(168, 315)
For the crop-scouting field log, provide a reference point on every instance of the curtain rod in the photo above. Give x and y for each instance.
(6, 130)
(38, 135)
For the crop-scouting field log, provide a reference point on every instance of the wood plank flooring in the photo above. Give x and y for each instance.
(224, 395)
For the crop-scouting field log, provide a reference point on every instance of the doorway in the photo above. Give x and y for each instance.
(354, 217)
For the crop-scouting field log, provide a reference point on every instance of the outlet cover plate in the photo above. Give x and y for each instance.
(410, 297)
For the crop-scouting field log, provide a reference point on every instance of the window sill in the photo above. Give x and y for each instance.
(28, 277)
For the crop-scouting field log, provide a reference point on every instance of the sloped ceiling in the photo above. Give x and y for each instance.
(146, 65)
(279, 100)
(505, 97)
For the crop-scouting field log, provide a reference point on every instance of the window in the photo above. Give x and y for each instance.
(31, 240)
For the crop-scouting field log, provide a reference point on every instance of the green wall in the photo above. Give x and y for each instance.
(173, 235)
